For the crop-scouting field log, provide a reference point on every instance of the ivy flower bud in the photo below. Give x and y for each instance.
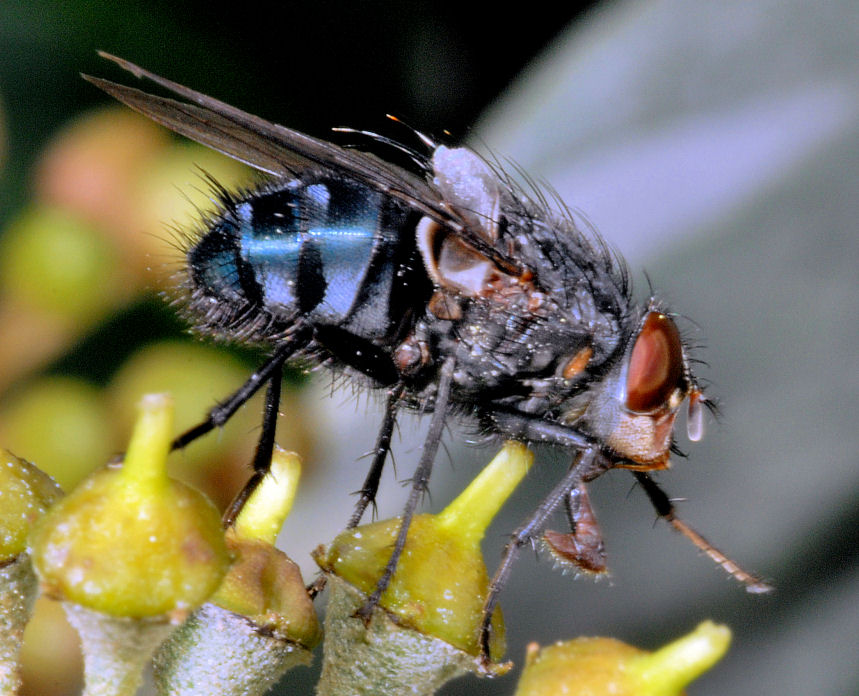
(25, 494)
(130, 552)
(608, 667)
(261, 621)
(434, 604)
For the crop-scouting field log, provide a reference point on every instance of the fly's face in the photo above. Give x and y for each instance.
(634, 408)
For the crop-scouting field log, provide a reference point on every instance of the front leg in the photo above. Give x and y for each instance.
(665, 509)
(588, 464)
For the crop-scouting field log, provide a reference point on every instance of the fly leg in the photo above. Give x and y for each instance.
(271, 373)
(582, 548)
(221, 413)
(419, 487)
(587, 465)
(371, 483)
(265, 446)
(380, 453)
(665, 508)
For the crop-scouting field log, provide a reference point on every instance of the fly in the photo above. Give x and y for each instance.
(455, 290)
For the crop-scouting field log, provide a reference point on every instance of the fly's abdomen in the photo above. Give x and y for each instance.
(324, 250)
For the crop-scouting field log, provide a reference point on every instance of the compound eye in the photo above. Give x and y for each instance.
(655, 366)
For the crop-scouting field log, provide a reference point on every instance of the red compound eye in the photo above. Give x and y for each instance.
(655, 366)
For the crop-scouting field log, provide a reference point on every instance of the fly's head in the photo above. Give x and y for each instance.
(633, 408)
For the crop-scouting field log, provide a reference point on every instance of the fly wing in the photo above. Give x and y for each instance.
(267, 146)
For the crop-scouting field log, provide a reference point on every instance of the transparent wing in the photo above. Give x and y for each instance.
(267, 146)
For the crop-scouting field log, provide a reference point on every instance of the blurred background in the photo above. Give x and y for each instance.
(714, 145)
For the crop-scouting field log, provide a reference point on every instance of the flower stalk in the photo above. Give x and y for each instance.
(18, 589)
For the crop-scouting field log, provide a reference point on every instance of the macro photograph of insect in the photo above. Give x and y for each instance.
(395, 349)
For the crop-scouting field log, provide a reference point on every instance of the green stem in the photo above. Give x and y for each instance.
(219, 652)
(18, 589)
(115, 649)
(383, 658)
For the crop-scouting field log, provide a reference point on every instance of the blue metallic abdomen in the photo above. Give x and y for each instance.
(318, 249)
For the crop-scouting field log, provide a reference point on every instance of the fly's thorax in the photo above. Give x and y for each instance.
(529, 307)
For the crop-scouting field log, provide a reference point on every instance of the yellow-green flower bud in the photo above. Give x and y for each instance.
(81, 433)
(25, 494)
(608, 667)
(130, 552)
(263, 584)
(129, 541)
(439, 585)
(261, 621)
(60, 265)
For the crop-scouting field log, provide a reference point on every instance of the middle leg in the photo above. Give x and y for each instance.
(418, 488)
